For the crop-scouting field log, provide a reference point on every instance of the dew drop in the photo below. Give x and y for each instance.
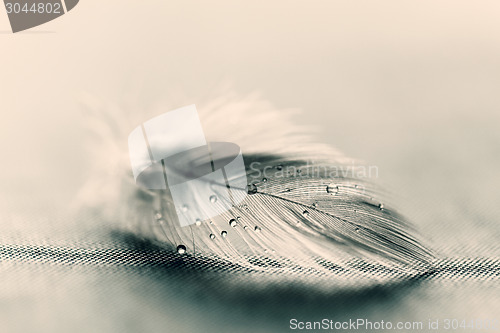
(158, 215)
(332, 188)
(279, 167)
(264, 180)
(161, 221)
(357, 229)
(252, 189)
(185, 208)
(257, 229)
(232, 223)
(238, 218)
(245, 227)
(181, 249)
(213, 198)
(223, 233)
(381, 206)
(315, 205)
(212, 236)
(198, 222)
(305, 213)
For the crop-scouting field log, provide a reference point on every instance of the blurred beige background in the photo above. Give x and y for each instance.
(376, 76)
(410, 86)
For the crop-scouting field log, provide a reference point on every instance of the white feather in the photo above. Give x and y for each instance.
(295, 227)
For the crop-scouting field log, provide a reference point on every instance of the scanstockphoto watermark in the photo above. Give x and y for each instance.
(204, 179)
(311, 169)
(26, 14)
(354, 325)
(447, 324)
